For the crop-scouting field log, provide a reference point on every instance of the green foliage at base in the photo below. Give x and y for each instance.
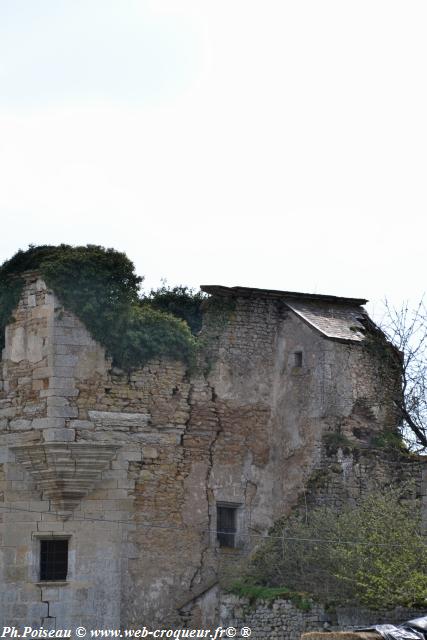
(371, 554)
(100, 286)
(253, 591)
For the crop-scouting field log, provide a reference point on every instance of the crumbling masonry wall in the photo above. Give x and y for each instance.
(130, 467)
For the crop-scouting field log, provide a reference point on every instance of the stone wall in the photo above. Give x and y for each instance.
(48, 478)
(130, 467)
(345, 475)
(283, 619)
(269, 620)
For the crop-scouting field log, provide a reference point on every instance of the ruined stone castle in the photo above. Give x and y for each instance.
(124, 498)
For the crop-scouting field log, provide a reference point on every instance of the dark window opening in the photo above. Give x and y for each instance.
(226, 526)
(298, 358)
(53, 559)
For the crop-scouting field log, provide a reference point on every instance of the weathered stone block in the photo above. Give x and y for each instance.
(49, 624)
(48, 423)
(54, 527)
(34, 408)
(20, 425)
(40, 505)
(81, 424)
(150, 452)
(59, 435)
(43, 372)
(111, 419)
(62, 412)
(63, 372)
(14, 472)
(133, 455)
(8, 412)
(61, 383)
(57, 401)
(68, 392)
(20, 517)
(50, 593)
(65, 360)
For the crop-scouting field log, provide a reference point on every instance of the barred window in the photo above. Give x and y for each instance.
(226, 525)
(53, 559)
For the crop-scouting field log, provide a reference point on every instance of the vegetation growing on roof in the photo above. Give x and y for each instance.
(100, 286)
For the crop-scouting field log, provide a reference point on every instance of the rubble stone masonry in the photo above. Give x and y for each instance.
(130, 467)
(284, 619)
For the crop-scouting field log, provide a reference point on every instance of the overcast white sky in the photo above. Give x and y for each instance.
(275, 143)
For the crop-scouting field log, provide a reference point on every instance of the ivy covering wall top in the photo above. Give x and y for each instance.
(100, 286)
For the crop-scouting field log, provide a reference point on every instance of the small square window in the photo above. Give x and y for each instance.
(53, 559)
(226, 526)
(297, 358)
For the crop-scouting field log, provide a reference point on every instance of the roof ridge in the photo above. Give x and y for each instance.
(275, 293)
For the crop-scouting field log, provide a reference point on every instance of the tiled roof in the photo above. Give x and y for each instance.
(337, 321)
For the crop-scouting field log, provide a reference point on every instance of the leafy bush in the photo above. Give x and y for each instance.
(148, 333)
(100, 286)
(372, 554)
(181, 301)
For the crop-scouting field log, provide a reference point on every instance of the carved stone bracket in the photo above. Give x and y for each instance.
(65, 471)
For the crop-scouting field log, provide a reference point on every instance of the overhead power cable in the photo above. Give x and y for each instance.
(134, 524)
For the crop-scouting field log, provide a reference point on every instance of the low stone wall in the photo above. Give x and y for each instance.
(282, 619)
(268, 620)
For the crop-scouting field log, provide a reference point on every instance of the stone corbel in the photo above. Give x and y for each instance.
(65, 471)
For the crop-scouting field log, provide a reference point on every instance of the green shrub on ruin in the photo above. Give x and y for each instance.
(372, 554)
(181, 301)
(100, 286)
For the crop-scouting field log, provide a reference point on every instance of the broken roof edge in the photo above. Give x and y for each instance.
(252, 292)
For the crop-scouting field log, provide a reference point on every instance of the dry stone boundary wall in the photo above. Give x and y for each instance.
(283, 620)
